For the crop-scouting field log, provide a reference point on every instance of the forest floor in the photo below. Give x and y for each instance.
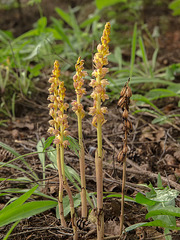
(152, 149)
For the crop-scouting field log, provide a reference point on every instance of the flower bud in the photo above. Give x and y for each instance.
(129, 92)
(122, 102)
(120, 157)
(125, 113)
(123, 91)
(125, 149)
(129, 125)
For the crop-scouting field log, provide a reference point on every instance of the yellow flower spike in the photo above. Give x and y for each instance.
(99, 95)
(59, 125)
(78, 109)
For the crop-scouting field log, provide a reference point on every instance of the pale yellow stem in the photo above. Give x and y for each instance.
(60, 199)
(99, 173)
(99, 183)
(82, 165)
(123, 186)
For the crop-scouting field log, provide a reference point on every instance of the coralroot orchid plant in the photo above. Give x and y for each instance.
(123, 103)
(78, 109)
(99, 95)
(59, 124)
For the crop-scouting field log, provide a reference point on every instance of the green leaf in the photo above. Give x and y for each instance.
(117, 195)
(61, 31)
(174, 4)
(140, 198)
(100, 4)
(42, 157)
(19, 201)
(144, 55)
(159, 181)
(133, 49)
(89, 21)
(156, 223)
(66, 204)
(10, 230)
(26, 210)
(11, 150)
(169, 210)
(74, 145)
(41, 23)
(138, 97)
(164, 195)
(65, 16)
(48, 142)
(161, 93)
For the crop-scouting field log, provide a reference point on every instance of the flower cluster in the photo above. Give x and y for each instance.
(78, 83)
(59, 123)
(99, 85)
(123, 103)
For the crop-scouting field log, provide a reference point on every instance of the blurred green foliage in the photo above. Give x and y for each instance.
(22, 59)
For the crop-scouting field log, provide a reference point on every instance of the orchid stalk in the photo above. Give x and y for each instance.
(123, 103)
(99, 95)
(59, 125)
(78, 109)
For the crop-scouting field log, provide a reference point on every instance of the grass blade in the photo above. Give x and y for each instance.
(25, 211)
(19, 201)
(11, 150)
(10, 230)
(133, 50)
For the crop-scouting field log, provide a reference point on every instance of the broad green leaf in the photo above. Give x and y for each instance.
(160, 93)
(169, 210)
(174, 4)
(100, 4)
(25, 211)
(165, 195)
(66, 204)
(18, 202)
(140, 198)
